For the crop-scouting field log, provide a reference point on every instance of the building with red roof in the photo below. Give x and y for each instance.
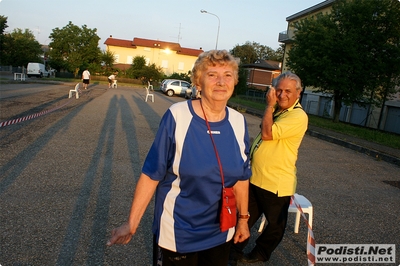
(170, 56)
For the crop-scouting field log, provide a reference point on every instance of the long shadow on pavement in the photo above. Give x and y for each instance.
(105, 145)
(13, 168)
(71, 240)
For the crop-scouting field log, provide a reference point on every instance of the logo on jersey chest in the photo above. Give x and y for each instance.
(214, 132)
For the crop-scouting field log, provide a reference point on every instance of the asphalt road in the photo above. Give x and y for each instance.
(67, 179)
(23, 89)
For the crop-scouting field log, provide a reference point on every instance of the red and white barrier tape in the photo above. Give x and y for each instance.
(310, 237)
(28, 117)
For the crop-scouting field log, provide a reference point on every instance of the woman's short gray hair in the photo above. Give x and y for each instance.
(213, 58)
(288, 75)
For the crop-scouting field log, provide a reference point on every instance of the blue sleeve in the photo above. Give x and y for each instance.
(160, 155)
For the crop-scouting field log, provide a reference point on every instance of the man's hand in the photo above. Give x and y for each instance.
(267, 121)
(271, 97)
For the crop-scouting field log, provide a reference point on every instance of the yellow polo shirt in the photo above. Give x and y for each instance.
(273, 164)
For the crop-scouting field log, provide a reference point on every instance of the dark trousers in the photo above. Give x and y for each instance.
(275, 210)
(216, 256)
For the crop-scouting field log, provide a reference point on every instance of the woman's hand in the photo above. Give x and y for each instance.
(242, 231)
(121, 235)
(145, 189)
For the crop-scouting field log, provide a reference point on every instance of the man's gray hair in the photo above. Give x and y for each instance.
(288, 75)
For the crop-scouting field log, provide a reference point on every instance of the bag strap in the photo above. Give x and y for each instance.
(215, 147)
(256, 143)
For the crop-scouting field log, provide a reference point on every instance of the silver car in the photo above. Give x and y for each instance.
(175, 86)
(162, 83)
(192, 93)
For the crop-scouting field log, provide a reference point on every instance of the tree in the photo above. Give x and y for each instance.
(107, 58)
(138, 63)
(139, 70)
(246, 52)
(3, 26)
(181, 76)
(350, 52)
(74, 48)
(267, 53)
(137, 67)
(152, 73)
(250, 52)
(241, 87)
(20, 48)
(278, 54)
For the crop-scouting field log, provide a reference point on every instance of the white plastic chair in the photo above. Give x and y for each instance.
(305, 205)
(76, 90)
(148, 94)
(114, 84)
(150, 86)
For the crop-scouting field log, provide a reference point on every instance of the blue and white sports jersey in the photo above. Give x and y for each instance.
(183, 160)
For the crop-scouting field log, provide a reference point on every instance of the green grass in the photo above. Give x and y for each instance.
(369, 134)
(249, 103)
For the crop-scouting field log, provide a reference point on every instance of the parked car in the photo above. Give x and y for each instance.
(188, 93)
(37, 69)
(192, 93)
(175, 86)
(162, 83)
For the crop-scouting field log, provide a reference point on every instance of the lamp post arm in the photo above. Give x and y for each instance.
(204, 11)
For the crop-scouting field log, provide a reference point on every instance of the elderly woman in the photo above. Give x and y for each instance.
(183, 169)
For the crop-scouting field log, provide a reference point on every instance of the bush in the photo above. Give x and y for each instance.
(181, 76)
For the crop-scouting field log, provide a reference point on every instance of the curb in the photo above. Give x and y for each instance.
(370, 152)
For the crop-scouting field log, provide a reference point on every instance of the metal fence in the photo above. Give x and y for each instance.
(255, 95)
(11, 69)
(321, 105)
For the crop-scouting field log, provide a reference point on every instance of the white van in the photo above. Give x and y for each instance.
(37, 69)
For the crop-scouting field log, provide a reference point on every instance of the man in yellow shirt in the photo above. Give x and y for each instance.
(273, 164)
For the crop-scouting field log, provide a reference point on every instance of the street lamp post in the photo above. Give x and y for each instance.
(203, 11)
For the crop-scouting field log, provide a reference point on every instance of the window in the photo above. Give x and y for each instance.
(116, 58)
(181, 66)
(186, 84)
(129, 59)
(164, 64)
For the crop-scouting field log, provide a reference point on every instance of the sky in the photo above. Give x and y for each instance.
(178, 21)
